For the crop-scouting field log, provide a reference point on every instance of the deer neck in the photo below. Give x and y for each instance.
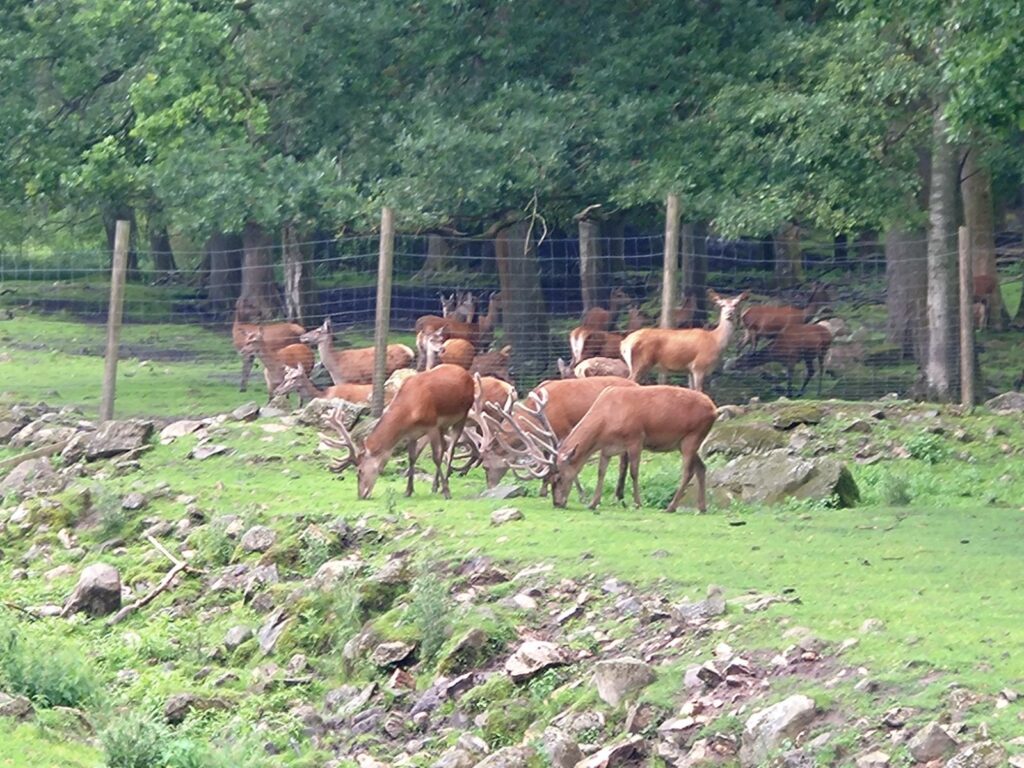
(308, 388)
(326, 349)
(723, 332)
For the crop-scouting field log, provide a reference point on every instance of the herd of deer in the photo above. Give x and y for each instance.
(462, 402)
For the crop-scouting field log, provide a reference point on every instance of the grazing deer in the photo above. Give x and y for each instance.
(275, 336)
(561, 404)
(353, 366)
(627, 421)
(767, 321)
(593, 366)
(796, 343)
(296, 380)
(275, 361)
(429, 404)
(674, 350)
(479, 334)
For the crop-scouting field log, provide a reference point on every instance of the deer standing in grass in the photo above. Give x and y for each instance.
(276, 336)
(479, 334)
(275, 361)
(296, 380)
(808, 343)
(768, 321)
(674, 350)
(627, 421)
(433, 404)
(353, 366)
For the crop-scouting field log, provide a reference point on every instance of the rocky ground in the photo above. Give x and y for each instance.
(356, 637)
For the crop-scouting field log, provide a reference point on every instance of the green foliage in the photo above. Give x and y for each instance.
(329, 619)
(212, 544)
(316, 548)
(430, 612)
(894, 490)
(928, 448)
(135, 740)
(50, 672)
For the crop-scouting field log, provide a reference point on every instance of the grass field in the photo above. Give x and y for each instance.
(932, 552)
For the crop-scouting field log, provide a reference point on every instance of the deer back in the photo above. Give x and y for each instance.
(569, 399)
(494, 363)
(458, 352)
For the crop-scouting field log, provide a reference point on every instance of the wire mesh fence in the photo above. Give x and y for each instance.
(524, 297)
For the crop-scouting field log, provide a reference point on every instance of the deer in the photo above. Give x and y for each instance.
(585, 343)
(767, 321)
(275, 335)
(682, 316)
(981, 296)
(637, 320)
(803, 342)
(558, 407)
(601, 319)
(459, 306)
(494, 364)
(452, 351)
(625, 421)
(296, 380)
(479, 334)
(275, 361)
(594, 366)
(353, 366)
(429, 404)
(674, 350)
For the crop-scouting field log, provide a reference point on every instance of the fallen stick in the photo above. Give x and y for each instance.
(36, 453)
(142, 602)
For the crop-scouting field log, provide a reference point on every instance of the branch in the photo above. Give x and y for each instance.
(150, 597)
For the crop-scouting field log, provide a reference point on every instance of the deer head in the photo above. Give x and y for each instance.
(448, 304)
(326, 330)
(368, 466)
(727, 306)
(565, 370)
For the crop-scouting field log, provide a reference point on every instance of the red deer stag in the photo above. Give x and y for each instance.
(276, 360)
(627, 421)
(767, 321)
(353, 366)
(429, 404)
(674, 350)
(275, 336)
(807, 343)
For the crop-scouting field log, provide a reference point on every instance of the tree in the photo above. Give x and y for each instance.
(940, 370)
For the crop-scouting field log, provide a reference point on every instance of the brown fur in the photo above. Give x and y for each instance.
(275, 336)
(354, 366)
(494, 364)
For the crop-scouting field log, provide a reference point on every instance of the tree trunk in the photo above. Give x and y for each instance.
(163, 254)
(438, 256)
(523, 313)
(695, 269)
(942, 253)
(224, 253)
(258, 301)
(906, 294)
(789, 268)
(594, 283)
(976, 191)
(298, 277)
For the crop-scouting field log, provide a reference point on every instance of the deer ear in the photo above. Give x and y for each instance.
(506, 350)
(743, 296)
(713, 296)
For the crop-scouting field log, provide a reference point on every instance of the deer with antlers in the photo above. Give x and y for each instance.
(275, 361)
(674, 350)
(479, 334)
(625, 421)
(430, 404)
(808, 343)
(353, 366)
(768, 321)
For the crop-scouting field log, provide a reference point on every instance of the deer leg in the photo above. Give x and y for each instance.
(602, 467)
(821, 372)
(634, 473)
(809, 363)
(247, 361)
(579, 490)
(436, 440)
(450, 457)
(414, 452)
(692, 464)
(620, 486)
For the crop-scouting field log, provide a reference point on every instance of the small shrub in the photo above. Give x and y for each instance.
(895, 490)
(212, 544)
(111, 518)
(316, 548)
(927, 448)
(429, 612)
(330, 619)
(48, 673)
(137, 740)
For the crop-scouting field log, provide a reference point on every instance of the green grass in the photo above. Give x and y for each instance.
(28, 746)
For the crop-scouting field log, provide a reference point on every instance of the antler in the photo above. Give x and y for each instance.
(346, 442)
(539, 443)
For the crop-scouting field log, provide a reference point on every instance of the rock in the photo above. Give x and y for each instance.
(859, 426)
(561, 750)
(505, 515)
(177, 429)
(60, 572)
(455, 758)
(18, 707)
(333, 572)
(32, 477)
(613, 755)
(1008, 402)
(742, 439)
(466, 653)
(533, 657)
(766, 729)
(272, 630)
(871, 625)
(617, 678)
(509, 757)
(983, 754)
(502, 492)
(8, 429)
(930, 743)
(113, 438)
(317, 411)
(133, 501)
(44, 432)
(204, 451)
(98, 592)
(873, 760)
(777, 476)
(364, 760)
(248, 412)
(792, 415)
(713, 605)
(179, 705)
(259, 538)
(390, 654)
(236, 636)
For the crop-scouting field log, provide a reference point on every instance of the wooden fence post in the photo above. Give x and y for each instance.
(122, 233)
(669, 283)
(966, 317)
(383, 321)
(590, 274)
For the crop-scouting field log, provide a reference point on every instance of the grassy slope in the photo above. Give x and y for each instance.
(26, 746)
